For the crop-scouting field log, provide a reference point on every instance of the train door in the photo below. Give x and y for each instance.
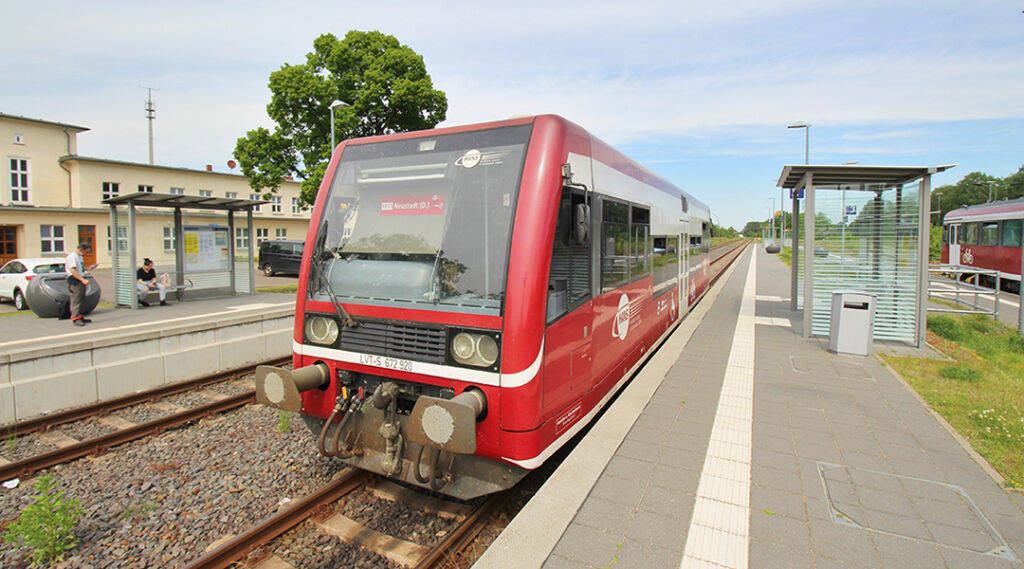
(684, 272)
(568, 359)
(954, 244)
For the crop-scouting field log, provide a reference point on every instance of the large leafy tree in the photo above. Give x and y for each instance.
(385, 83)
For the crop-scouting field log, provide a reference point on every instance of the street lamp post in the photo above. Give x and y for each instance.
(807, 139)
(796, 215)
(335, 105)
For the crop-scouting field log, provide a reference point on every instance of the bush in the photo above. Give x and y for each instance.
(47, 525)
(960, 372)
(947, 327)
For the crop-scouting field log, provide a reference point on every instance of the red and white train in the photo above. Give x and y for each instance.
(986, 236)
(470, 297)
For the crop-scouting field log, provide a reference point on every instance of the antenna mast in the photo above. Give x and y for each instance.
(150, 115)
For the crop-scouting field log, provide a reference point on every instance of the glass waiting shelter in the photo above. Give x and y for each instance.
(864, 228)
(206, 262)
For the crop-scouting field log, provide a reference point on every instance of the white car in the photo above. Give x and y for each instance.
(14, 277)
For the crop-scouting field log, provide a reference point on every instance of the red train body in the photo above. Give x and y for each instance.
(470, 297)
(986, 236)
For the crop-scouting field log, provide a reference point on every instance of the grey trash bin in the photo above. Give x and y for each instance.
(853, 322)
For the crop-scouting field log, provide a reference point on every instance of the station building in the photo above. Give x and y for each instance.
(52, 198)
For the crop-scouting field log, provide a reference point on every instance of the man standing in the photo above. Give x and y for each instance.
(78, 281)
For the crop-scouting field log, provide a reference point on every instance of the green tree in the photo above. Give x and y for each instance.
(385, 83)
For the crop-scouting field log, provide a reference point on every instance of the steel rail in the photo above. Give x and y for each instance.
(465, 533)
(295, 513)
(99, 444)
(46, 422)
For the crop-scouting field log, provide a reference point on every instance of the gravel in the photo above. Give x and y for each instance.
(140, 414)
(87, 429)
(19, 448)
(159, 502)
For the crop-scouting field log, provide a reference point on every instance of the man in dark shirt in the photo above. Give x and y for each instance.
(146, 281)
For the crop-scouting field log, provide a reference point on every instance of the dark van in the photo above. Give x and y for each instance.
(280, 256)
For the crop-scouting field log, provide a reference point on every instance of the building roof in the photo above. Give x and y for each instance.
(40, 121)
(79, 158)
(831, 175)
(184, 201)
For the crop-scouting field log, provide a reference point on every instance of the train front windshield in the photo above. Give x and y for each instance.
(421, 223)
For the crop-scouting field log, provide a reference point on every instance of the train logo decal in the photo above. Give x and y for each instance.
(967, 257)
(620, 326)
(469, 159)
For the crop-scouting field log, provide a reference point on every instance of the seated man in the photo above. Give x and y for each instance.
(146, 281)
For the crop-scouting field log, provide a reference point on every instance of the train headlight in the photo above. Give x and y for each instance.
(487, 349)
(475, 349)
(463, 347)
(321, 330)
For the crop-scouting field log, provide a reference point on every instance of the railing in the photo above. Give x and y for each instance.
(963, 292)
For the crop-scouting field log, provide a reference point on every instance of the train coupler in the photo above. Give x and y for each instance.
(447, 424)
(281, 388)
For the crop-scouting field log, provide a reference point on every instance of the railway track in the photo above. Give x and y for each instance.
(468, 521)
(69, 449)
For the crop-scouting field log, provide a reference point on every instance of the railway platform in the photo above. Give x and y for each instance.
(741, 444)
(47, 364)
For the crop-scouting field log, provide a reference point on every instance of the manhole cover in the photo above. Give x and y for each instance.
(923, 510)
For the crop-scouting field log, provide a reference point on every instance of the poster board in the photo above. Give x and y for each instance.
(206, 249)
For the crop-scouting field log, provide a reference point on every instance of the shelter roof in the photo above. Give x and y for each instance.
(831, 175)
(184, 201)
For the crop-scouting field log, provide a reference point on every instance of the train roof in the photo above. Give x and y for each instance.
(1006, 209)
(600, 150)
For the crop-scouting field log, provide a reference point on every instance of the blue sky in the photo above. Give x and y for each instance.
(700, 92)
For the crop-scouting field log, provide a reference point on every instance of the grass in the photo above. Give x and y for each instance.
(291, 289)
(979, 390)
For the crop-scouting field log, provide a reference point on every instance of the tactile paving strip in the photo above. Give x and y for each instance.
(922, 510)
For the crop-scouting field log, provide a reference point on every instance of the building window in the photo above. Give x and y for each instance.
(241, 238)
(205, 193)
(275, 204)
(262, 234)
(51, 238)
(281, 233)
(19, 180)
(178, 191)
(147, 189)
(168, 239)
(111, 190)
(295, 206)
(255, 197)
(231, 195)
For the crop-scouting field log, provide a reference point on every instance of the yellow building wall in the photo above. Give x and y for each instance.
(67, 191)
(42, 144)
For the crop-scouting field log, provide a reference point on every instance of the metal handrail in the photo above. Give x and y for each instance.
(966, 288)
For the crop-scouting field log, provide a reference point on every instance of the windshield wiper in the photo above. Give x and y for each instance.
(318, 252)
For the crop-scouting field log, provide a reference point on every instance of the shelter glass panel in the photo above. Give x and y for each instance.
(866, 238)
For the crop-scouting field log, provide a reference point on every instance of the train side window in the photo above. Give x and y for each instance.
(706, 241)
(1012, 232)
(614, 245)
(569, 280)
(665, 264)
(971, 230)
(990, 233)
(945, 235)
(640, 243)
